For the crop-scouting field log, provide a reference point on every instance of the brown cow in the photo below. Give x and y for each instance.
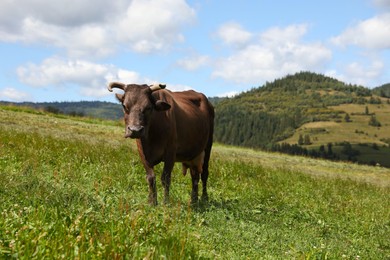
(169, 127)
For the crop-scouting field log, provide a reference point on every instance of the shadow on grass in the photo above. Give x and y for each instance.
(205, 205)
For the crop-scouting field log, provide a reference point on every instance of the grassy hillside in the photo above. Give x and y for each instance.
(74, 188)
(95, 109)
(322, 109)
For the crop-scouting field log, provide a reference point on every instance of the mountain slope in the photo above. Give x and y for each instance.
(269, 114)
(96, 109)
(383, 91)
(279, 112)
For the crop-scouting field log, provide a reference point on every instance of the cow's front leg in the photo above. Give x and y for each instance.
(166, 179)
(151, 179)
(195, 176)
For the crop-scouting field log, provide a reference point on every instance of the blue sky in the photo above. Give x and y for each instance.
(69, 50)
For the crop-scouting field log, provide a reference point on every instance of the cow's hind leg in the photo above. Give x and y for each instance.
(205, 168)
(204, 176)
(195, 176)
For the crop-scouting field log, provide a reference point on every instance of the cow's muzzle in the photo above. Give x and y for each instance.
(135, 131)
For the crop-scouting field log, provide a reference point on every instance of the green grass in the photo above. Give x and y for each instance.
(76, 189)
(356, 132)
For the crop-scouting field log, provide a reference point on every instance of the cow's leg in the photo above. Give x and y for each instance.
(205, 176)
(195, 183)
(151, 179)
(166, 179)
(205, 167)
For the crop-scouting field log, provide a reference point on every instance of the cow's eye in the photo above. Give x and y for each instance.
(125, 108)
(147, 109)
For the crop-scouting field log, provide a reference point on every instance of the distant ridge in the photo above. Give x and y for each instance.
(97, 109)
(270, 113)
(273, 116)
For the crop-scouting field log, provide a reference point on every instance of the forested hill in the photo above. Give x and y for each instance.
(96, 109)
(383, 91)
(266, 115)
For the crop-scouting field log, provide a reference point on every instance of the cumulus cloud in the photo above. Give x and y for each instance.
(362, 73)
(233, 34)
(373, 33)
(229, 94)
(13, 94)
(154, 25)
(71, 13)
(96, 27)
(194, 63)
(279, 51)
(91, 77)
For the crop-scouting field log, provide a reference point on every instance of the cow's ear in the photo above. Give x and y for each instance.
(162, 106)
(119, 97)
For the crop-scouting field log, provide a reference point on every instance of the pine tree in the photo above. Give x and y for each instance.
(307, 140)
(374, 122)
(300, 140)
(347, 118)
(330, 151)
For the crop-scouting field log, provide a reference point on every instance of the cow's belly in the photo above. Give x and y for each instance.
(195, 164)
(189, 155)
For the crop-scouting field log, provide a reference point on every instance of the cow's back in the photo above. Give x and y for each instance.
(193, 117)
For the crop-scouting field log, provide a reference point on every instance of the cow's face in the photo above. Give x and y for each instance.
(138, 106)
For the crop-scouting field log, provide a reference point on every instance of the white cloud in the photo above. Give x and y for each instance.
(13, 94)
(178, 87)
(233, 34)
(154, 25)
(96, 27)
(71, 13)
(357, 70)
(92, 78)
(194, 63)
(361, 73)
(229, 94)
(366, 72)
(279, 51)
(277, 35)
(373, 33)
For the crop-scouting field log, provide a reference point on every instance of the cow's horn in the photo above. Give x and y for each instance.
(157, 87)
(116, 85)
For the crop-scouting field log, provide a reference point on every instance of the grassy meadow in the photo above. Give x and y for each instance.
(74, 188)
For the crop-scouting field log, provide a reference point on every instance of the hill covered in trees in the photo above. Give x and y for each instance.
(383, 91)
(271, 113)
(96, 109)
(274, 117)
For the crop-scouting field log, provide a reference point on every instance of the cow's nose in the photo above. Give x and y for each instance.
(136, 131)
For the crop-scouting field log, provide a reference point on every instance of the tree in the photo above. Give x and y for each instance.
(347, 118)
(330, 151)
(374, 122)
(322, 151)
(307, 140)
(300, 140)
(366, 111)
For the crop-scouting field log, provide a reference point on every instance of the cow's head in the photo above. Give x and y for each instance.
(138, 105)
